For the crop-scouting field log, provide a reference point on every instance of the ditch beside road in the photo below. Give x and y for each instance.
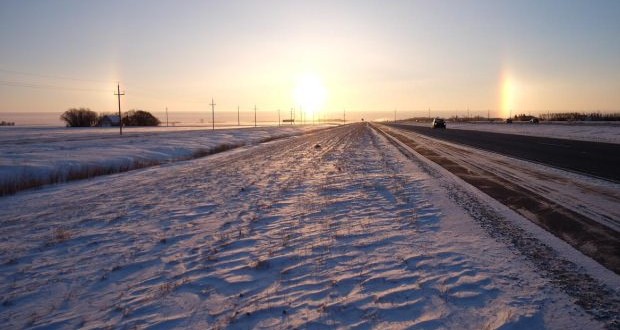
(582, 211)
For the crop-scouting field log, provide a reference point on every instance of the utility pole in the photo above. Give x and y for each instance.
(254, 115)
(344, 116)
(291, 116)
(394, 115)
(166, 116)
(429, 113)
(278, 117)
(238, 122)
(120, 119)
(212, 114)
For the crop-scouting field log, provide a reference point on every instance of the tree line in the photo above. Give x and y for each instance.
(84, 117)
(572, 116)
(576, 116)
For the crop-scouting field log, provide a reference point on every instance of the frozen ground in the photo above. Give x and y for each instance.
(334, 229)
(585, 131)
(585, 211)
(35, 156)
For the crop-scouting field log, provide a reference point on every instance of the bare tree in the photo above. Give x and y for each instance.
(82, 117)
(139, 118)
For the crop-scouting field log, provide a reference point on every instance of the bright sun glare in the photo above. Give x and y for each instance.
(310, 93)
(508, 94)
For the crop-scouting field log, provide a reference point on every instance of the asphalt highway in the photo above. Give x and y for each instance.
(592, 158)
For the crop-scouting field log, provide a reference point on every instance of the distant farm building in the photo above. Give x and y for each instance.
(110, 121)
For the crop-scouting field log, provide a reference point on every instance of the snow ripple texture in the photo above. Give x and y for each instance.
(323, 231)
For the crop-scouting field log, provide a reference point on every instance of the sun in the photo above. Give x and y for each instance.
(310, 93)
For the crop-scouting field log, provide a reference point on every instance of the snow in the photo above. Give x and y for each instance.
(608, 132)
(597, 199)
(594, 198)
(35, 156)
(333, 229)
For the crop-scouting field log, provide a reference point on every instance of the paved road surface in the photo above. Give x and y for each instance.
(592, 158)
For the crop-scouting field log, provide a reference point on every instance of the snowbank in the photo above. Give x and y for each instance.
(35, 156)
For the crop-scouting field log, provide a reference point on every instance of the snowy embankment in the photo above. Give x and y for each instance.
(334, 229)
(608, 132)
(31, 157)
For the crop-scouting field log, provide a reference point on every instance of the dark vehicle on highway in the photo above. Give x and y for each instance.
(438, 123)
(508, 121)
(534, 120)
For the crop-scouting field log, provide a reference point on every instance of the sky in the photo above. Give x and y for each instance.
(374, 57)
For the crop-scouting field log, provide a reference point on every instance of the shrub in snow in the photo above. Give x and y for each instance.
(139, 118)
(82, 117)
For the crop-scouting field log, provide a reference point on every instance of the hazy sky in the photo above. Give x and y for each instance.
(528, 56)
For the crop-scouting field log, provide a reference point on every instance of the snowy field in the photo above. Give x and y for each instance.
(608, 132)
(35, 156)
(332, 229)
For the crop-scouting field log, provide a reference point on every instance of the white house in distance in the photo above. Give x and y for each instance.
(110, 121)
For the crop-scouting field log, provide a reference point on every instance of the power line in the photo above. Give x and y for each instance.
(145, 93)
(38, 85)
(45, 86)
(51, 76)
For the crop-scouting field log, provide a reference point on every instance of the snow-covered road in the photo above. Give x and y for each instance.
(331, 229)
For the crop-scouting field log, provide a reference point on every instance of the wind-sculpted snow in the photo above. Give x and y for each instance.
(32, 157)
(333, 229)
